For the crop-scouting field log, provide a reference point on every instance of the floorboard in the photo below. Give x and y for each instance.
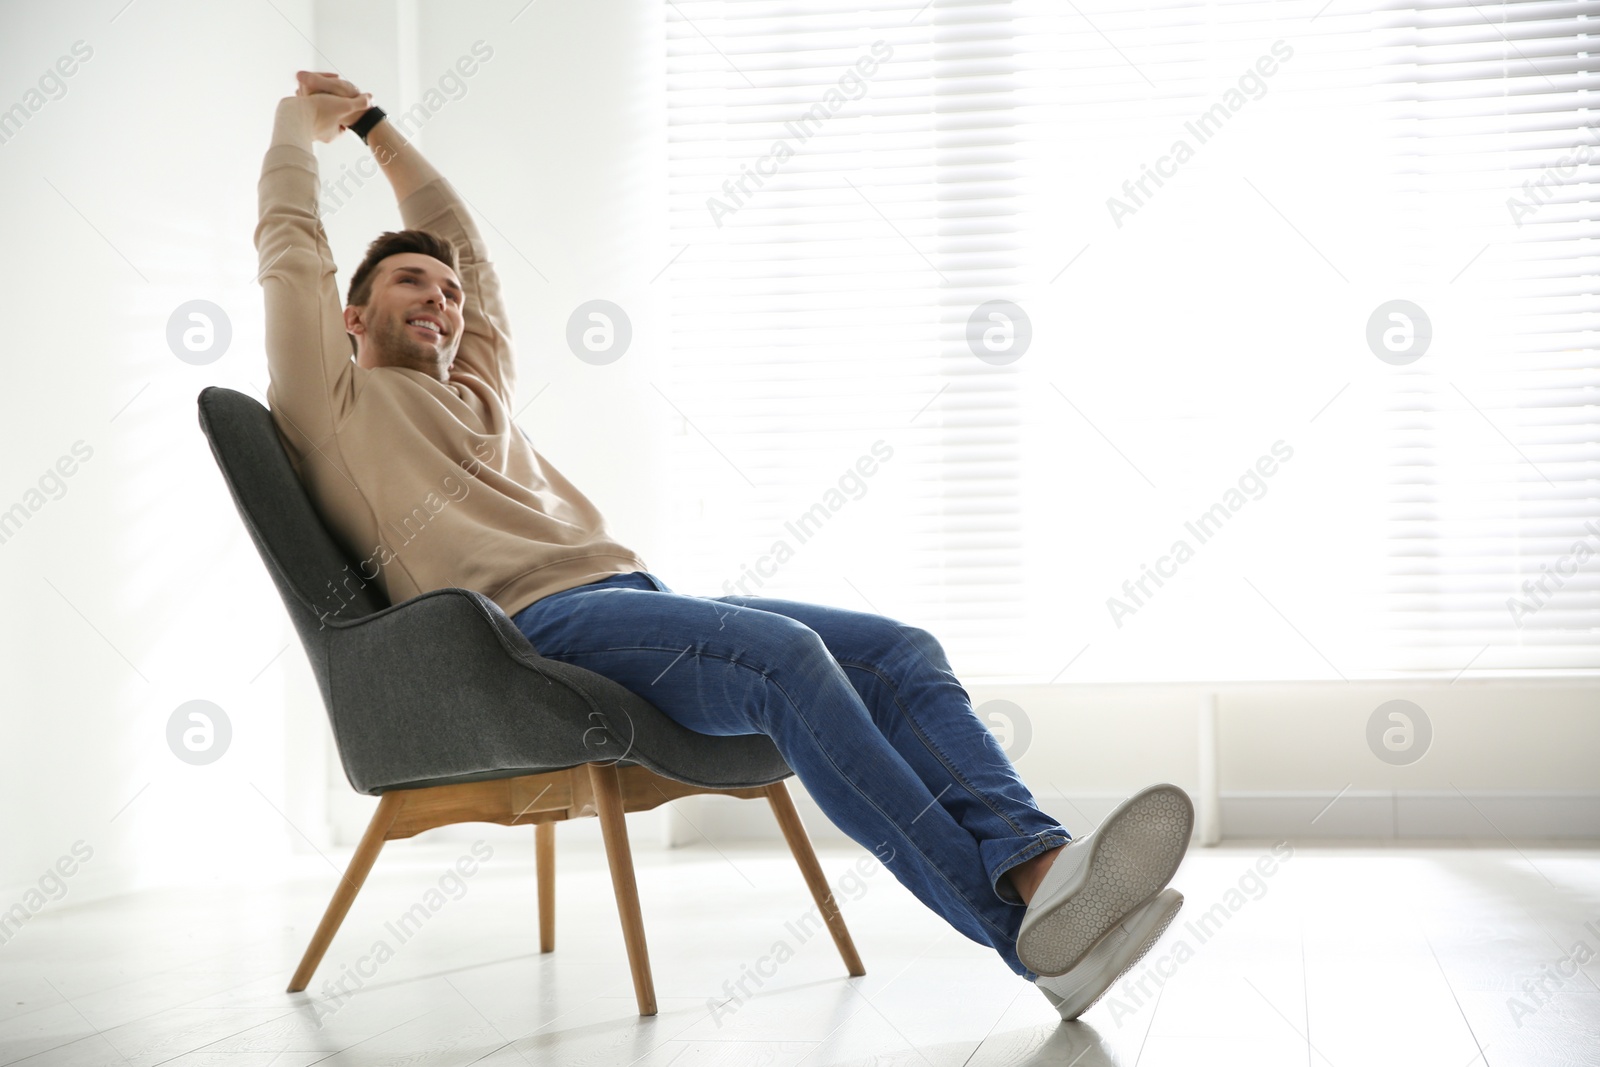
(1336, 955)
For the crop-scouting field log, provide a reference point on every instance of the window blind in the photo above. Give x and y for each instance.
(818, 312)
(1052, 330)
(1493, 518)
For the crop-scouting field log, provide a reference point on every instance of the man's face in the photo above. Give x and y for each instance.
(409, 288)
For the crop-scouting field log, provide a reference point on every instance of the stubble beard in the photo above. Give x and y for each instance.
(393, 336)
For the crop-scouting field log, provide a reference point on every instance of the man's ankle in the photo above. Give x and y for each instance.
(1027, 875)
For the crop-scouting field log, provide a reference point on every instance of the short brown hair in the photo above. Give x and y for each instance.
(393, 242)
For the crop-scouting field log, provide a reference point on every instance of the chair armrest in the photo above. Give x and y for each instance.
(444, 685)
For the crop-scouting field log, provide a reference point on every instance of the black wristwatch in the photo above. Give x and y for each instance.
(369, 118)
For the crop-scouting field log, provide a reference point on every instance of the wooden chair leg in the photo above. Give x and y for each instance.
(794, 831)
(545, 861)
(614, 829)
(354, 877)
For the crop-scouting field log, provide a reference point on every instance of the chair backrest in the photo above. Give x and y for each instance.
(306, 563)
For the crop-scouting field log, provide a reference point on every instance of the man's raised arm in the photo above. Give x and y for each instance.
(429, 202)
(308, 351)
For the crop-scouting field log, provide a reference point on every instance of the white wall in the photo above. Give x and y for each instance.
(135, 191)
(137, 589)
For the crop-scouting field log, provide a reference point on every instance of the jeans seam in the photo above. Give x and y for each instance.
(931, 747)
(976, 909)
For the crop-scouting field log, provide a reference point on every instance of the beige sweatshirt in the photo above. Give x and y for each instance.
(425, 483)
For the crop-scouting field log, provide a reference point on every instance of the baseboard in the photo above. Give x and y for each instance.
(1415, 815)
(1489, 815)
(1486, 816)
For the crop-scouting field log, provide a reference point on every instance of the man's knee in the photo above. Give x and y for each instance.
(775, 643)
(895, 640)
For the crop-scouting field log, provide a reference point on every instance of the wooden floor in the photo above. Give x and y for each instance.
(1359, 956)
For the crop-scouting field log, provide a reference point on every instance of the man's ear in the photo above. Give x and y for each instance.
(352, 319)
(354, 328)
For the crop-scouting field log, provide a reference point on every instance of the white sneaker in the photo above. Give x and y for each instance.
(1073, 993)
(1097, 879)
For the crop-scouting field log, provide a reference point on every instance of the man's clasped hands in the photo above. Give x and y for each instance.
(333, 102)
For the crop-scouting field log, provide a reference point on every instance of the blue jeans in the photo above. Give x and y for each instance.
(864, 709)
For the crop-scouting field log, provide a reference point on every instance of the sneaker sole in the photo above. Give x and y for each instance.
(1136, 852)
(1070, 1008)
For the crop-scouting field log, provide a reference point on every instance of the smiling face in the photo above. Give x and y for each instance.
(409, 290)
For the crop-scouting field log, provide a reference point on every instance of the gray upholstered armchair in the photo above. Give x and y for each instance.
(442, 708)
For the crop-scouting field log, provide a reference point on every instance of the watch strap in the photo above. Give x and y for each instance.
(369, 118)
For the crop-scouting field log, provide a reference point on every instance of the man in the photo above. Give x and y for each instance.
(411, 457)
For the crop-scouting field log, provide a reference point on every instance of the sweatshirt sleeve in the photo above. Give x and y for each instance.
(314, 378)
(485, 348)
